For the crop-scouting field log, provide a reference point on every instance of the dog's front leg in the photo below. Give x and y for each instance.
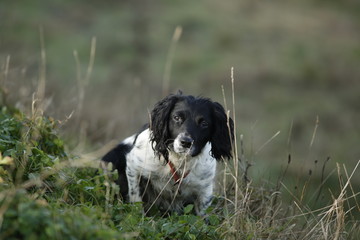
(203, 200)
(133, 183)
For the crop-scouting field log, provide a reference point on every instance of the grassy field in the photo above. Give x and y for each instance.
(49, 193)
(296, 88)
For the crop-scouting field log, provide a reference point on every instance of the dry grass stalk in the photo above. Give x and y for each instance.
(169, 60)
(84, 81)
(3, 90)
(332, 221)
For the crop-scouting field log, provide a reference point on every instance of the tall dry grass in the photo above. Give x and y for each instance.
(253, 211)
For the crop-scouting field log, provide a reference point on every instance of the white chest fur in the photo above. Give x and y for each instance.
(196, 187)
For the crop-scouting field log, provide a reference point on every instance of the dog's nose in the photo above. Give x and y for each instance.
(186, 141)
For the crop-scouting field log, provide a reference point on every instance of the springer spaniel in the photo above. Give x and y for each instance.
(172, 162)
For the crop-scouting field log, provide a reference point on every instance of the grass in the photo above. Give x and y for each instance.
(65, 198)
(49, 192)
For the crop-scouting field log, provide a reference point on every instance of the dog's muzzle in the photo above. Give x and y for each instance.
(184, 144)
(186, 141)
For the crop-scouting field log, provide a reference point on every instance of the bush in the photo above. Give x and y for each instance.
(32, 144)
(27, 218)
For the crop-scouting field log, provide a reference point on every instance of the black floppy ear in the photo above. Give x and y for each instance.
(159, 124)
(223, 133)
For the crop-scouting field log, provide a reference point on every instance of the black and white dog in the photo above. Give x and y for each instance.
(172, 162)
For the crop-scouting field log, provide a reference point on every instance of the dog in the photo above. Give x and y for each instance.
(171, 162)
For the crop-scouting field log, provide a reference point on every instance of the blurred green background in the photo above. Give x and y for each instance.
(294, 62)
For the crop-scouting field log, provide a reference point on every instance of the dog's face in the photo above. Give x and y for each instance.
(184, 124)
(190, 126)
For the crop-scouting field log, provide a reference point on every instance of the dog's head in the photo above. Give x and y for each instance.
(185, 124)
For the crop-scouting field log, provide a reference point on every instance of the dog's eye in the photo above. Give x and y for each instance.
(177, 118)
(204, 124)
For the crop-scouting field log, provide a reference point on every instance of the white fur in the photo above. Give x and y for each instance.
(196, 187)
(178, 148)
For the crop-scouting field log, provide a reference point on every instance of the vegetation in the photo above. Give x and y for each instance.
(46, 193)
(295, 88)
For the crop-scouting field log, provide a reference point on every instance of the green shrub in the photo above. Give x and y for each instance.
(27, 218)
(32, 143)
